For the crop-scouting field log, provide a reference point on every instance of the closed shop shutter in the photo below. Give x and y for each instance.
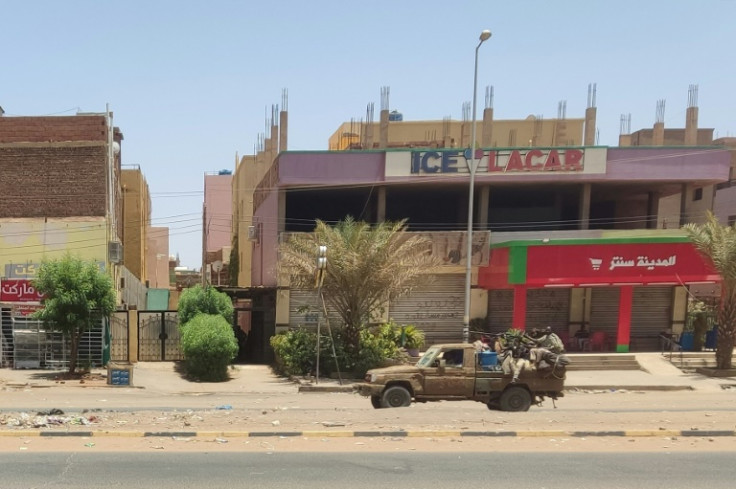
(435, 308)
(548, 307)
(651, 313)
(604, 309)
(500, 310)
(305, 309)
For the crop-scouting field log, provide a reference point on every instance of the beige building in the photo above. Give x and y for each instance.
(136, 221)
(690, 202)
(532, 131)
(157, 258)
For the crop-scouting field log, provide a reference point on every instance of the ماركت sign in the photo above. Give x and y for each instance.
(18, 290)
(517, 160)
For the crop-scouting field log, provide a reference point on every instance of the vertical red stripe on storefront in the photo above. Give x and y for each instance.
(624, 319)
(519, 319)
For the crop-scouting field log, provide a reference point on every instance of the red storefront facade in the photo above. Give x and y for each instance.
(624, 266)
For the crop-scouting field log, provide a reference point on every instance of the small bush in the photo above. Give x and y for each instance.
(209, 345)
(198, 300)
(295, 352)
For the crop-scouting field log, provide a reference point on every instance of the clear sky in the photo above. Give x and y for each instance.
(190, 83)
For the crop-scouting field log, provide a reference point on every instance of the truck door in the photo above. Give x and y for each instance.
(454, 379)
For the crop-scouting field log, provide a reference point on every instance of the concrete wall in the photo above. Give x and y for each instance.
(157, 257)
(505, 133)
(218, 201)
(31, 240)
(136, 221)
(53, 166)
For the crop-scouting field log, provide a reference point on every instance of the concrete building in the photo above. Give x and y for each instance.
(217, 225)
(157, 252)
(60, 193)
(533, 203)
(136, 221)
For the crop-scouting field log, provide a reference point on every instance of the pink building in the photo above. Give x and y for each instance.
(217, 225)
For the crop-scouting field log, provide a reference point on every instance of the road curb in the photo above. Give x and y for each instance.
(569, 388)
(653, 433)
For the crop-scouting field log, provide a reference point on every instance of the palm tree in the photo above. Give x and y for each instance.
(717, 243)
(367, 265)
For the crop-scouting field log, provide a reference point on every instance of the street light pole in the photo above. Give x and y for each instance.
(484, 36)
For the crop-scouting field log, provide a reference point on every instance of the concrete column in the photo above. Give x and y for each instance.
(381, 205)
(691, 126)
(484, 197)
(133, 336)
(383, 137)
(274, 144)
(584, 214)
(624, 319)
(486, 138)
(590, 119)
(281, 224)
(283, 130)
(652, 209)
(684, 191)
(658, 134)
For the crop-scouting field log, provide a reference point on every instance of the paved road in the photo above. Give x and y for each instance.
(260, 402)
(84, 470)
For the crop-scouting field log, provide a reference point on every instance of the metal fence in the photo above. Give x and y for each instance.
(158, 336)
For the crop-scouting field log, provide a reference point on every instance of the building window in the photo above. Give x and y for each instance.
(698, 194)
(731, 220)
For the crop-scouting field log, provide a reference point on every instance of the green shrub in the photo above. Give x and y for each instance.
(413, 337)
(295, 351)
(209, 345)
(198, 300)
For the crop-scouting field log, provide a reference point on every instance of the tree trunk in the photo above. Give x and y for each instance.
(75, 337)
(726, 328)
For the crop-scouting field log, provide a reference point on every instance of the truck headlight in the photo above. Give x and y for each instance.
(370, 377)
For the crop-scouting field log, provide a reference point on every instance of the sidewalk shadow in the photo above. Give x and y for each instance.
(181, 369)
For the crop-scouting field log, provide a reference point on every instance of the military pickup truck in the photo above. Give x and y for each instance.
(456, 372)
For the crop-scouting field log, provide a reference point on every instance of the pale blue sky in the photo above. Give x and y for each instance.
(189, 82)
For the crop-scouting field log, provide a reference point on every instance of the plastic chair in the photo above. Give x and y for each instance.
(598, 341)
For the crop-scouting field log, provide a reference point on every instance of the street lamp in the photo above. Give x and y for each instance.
(470, 159)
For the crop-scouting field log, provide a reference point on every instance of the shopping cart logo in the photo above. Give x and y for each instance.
(595, 263)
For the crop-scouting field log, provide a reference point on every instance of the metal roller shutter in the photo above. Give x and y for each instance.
(500, 309)
(548, 307)
(307, 318)
(604, 310)
(436, 308)
(651, 313)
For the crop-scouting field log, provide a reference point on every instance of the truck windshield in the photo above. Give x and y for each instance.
(428, 357)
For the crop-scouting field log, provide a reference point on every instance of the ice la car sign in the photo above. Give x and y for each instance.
(490, 161)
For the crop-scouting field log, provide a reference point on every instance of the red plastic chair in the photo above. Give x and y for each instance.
(598, 341)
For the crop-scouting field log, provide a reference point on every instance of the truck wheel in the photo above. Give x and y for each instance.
(516, 399)
(376, 402)
(395, 396)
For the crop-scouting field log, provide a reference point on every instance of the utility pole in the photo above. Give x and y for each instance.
(319, 277)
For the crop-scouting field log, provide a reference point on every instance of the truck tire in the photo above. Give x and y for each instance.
(516, 399)
(395, 396)
(376, 402)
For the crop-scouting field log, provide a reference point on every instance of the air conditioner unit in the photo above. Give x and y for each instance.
(115, 251)
(253, 233)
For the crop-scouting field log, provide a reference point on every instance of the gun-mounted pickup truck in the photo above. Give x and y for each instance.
(458, 372)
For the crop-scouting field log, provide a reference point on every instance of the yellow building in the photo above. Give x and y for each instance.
(136, 222)
(532, 131)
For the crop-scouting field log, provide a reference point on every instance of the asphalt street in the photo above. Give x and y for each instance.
(269, 470)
